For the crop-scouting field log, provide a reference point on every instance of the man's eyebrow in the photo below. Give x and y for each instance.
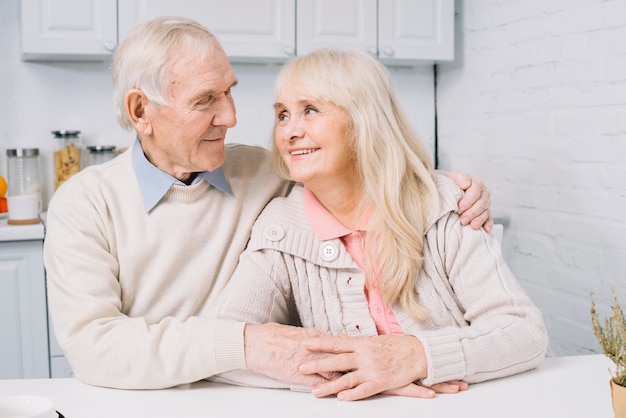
(212, 92)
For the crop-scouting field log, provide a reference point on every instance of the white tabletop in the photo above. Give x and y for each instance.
(572, 387)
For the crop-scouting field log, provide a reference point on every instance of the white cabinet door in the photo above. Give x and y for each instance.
(415, 30)
(249, 30)
(68, 29)
(23, 317)
(347, 23)
(396, 31)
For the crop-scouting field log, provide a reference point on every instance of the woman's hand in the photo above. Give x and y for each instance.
(474, 207)
(371, 365)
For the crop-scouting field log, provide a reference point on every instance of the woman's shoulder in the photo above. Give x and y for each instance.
(288, 209)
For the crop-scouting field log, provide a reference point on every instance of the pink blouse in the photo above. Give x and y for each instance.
(327, 227)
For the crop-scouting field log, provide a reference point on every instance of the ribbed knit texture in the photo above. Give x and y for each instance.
(131, 293)
(482, 325)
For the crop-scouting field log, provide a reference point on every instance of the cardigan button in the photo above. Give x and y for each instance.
(330, 252)
(275, 233)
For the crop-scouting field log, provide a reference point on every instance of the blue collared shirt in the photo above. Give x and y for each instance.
(154, 183)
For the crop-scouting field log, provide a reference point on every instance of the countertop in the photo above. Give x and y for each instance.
(20, 232)
(572, 387)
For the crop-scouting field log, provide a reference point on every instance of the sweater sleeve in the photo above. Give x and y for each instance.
(500, 331)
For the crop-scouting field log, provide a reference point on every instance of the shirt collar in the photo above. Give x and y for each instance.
(154, 183)
(323, 223)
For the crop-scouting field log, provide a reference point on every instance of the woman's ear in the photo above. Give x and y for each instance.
(135, 103)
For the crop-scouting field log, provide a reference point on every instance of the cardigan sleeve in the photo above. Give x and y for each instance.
(500, 331)
(257, 293)
(259, 290)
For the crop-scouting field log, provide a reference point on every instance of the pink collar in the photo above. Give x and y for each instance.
(323, 223)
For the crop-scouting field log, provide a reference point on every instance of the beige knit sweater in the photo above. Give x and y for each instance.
(131, 293)
(482, 325)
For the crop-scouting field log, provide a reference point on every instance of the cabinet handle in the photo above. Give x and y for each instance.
(289, 50)
(388, 51)
(372, 50)
(110, 46)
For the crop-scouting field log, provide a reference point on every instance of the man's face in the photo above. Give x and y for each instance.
(188, 134)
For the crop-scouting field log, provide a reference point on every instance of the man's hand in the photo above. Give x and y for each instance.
(277, 350)
(474, 207)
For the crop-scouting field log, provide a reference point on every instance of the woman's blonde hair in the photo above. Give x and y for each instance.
(394, 165)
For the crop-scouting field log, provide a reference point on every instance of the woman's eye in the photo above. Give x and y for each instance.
(310, 110)
(282, 117)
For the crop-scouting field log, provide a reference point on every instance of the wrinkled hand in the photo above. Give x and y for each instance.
(276, 351)
(474, 207)
(371, 365)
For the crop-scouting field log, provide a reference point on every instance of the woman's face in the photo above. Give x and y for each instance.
(312, 137)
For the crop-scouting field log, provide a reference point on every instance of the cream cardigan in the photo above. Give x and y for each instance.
(482, 325)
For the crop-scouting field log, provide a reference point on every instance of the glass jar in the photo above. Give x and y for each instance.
(98, 154)
(66, 156)
(23, 172)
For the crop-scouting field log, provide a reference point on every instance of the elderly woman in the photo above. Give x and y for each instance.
(369, 244)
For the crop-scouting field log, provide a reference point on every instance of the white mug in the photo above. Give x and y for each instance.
(23, 209)
(27, 407)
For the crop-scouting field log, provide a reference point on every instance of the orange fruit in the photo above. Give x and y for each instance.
(3, 186)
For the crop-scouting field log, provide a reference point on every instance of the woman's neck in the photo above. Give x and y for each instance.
(342, 201)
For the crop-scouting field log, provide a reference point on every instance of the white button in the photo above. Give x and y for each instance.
(330, 252)
(275, 233)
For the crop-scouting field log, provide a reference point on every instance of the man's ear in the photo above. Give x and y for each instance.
(135, 102)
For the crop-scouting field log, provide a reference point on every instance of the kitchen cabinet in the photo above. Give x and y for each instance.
(23, 307)
(59, 366)
(84, 30)
(249, 30)
(415, 30)
(91, 29)
(349, 23)
(395, 31)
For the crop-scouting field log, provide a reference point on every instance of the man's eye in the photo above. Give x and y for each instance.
(206, 100)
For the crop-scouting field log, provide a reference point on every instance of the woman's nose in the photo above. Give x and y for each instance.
(293, 130)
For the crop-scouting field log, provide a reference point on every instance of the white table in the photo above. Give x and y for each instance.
(572, 387)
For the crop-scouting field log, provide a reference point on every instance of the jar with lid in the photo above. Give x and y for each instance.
(23, 172)
(66, 156)
(98, 154)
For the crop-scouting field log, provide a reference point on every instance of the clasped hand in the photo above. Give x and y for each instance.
(371, 365)
(352, 368)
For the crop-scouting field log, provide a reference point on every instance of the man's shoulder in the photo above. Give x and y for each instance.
(250, 167)
(242, 151)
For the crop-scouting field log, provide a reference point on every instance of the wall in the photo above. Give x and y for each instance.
(39, 97)
(535, 104)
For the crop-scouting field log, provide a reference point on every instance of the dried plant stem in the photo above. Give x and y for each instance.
(612, 338)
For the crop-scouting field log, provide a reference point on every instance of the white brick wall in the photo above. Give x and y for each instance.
(535, 104)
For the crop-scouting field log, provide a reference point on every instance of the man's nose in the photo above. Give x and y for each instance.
(226, 114)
